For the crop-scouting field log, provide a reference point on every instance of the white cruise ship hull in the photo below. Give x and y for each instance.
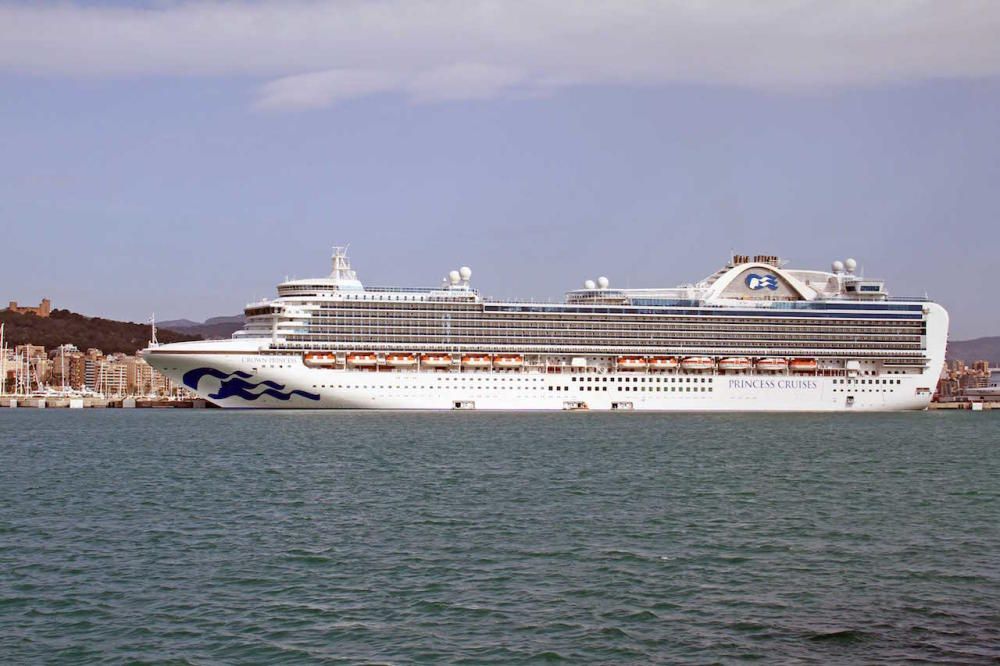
(284, 382)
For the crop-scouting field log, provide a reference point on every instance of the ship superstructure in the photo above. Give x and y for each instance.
(754, 335)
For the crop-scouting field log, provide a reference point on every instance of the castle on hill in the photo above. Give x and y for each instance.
(43, 309)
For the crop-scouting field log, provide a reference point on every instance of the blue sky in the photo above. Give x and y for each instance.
(164, 159)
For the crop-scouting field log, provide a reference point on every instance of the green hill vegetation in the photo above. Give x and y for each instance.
(63, 326)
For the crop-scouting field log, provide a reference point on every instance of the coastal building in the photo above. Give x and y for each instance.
(27, 368)
(91, 368)
(960, 380)
(29, 350)
(110, 375)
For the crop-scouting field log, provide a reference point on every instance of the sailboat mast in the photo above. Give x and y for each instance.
(3, 363)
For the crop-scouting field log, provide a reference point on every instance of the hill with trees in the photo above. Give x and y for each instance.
(63, 326)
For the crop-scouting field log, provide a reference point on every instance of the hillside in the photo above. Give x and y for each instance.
(64, 326)
(213, 328)
(987, 349)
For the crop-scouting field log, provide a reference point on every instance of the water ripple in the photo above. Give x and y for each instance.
(208, 537)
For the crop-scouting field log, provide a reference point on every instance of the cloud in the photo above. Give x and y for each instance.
(319, 89)
(462, 81)
(311, 54)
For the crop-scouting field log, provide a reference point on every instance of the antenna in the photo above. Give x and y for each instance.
(152, 324)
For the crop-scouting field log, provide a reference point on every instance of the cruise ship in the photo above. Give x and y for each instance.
(753, 336)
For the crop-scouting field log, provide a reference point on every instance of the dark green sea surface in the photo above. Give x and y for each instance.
(205, 536)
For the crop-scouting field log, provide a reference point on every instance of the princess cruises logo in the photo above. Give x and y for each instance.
(755, 282)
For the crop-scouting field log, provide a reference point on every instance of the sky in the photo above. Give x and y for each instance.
(182, 158)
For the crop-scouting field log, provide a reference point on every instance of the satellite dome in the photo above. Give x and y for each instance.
(454, 277)
(838, 266)
(603, 282)
(850, 265)
(465, 272)
(589, 284)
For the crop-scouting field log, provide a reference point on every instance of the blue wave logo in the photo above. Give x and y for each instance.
(756, 282)
(234, 385)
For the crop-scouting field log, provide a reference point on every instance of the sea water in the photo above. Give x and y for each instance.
(211, 536)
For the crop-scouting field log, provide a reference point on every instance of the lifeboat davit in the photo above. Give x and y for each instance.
(803, 364)
(359, 359)
(319, 359)
(663, 363)
(476, 360)
(436, 360)
(400, 360)
(631, 362)
(698, 363)
(734, 364)
(508, 361)
(772, 364)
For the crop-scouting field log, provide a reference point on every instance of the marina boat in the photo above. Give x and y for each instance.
(754, 335)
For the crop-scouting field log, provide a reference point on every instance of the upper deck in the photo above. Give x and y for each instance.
(751, 306)
(745, 282)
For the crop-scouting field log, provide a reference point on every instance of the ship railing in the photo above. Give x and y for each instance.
(887, 355)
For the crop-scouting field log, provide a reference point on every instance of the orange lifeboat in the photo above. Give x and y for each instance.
(319, 359)
(663, 363)
(772, 364)
(734, 364)
(476, 360)
(400, 360)
(698, 363)
(436, 360)
(631, 363)
(362, 359)
(508, 361)
(803, 364)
